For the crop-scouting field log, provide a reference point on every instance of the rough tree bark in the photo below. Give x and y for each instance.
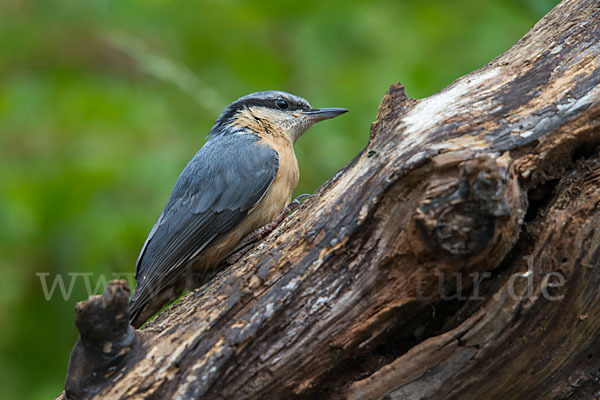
(456, 257)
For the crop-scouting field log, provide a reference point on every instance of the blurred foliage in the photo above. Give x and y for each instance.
(103, 102)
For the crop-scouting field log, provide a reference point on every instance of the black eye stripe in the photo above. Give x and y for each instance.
(267, 103)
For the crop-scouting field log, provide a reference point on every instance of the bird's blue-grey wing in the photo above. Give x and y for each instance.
(215, 191)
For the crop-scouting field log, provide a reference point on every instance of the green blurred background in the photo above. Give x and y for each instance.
(102, 103)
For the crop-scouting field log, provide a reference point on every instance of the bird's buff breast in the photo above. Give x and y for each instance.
(273, 202)
(280, 192)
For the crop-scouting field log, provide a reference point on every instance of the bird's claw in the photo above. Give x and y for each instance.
(262, 232)
(297, 202)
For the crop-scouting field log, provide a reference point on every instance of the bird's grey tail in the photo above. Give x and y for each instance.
(135, 309)
(143, 305)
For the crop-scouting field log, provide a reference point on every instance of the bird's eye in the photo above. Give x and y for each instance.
(282, 104)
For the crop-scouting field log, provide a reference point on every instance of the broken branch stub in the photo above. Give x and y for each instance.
(105, 337)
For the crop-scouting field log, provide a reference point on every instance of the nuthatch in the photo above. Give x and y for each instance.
(239, 181)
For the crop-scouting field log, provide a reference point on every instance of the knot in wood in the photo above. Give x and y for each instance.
(458, 214)
(463, 230)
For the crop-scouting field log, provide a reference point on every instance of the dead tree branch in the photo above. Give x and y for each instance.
(456, 257)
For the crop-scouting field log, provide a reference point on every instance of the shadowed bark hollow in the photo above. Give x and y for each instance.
(456, 257)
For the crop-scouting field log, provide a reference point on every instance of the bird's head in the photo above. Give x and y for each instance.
(272, 112)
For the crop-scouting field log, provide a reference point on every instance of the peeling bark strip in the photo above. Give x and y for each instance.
(456, 257)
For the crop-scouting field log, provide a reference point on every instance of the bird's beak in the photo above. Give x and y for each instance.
(319, 114)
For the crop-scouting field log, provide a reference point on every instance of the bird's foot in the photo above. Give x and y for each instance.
(263, 231)
(297, 202)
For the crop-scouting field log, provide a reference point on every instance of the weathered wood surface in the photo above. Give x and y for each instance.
(456, 257)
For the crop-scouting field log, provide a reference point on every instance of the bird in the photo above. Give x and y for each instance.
(240, 180)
